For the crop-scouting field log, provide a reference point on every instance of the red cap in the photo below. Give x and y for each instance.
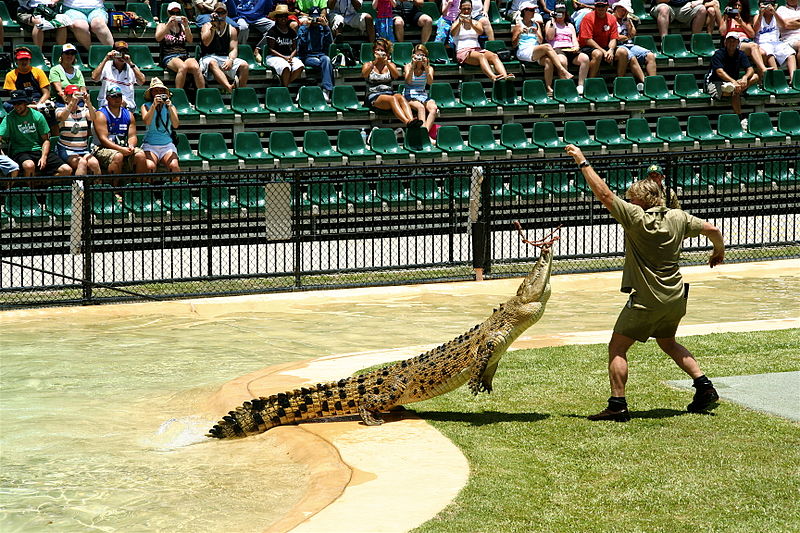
(71, 89)
(24, 54)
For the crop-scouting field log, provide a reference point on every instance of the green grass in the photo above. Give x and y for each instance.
(538, 465)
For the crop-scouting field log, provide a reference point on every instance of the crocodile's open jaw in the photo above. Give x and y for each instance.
(536, 285)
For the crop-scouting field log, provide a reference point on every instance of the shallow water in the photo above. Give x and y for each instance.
(98, 430)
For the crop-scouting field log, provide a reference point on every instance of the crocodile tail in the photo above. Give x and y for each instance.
(307, 403)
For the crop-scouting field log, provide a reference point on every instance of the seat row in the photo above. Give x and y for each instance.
(383, 144)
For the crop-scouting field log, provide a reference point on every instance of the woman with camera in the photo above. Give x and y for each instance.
(768, 37)
(173, 36)
(379, 74)
(418, 75)
(161, 120)
(465, 32)
(527, 37)
(73, 131)
(736, 21)
(563, 37)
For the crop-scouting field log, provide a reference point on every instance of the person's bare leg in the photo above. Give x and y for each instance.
(583, 62)
(594, 63)
(618, 363)
(80, 30)
(100, 28)
(682, 357)
(61, 35)
(431, 109)
(499, 67)
(426, 25)
(244, 74)
(699, 20)
(178, 66)
(662, 19)
(399, 29)
(548, 74)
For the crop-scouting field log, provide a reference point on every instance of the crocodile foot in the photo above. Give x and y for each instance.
(370, 418)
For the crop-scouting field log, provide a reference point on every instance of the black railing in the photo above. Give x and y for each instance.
(219, 233)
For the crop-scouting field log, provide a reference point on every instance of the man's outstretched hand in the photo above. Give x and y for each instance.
(575, 152)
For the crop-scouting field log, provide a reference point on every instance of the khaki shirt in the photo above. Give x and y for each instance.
(653, 242)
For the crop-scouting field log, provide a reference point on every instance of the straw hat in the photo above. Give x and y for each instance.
(155, 83)
(280, 9)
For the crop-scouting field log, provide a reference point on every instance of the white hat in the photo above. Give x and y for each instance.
(624, 3)
(174, 5)
(528, 5)
(67, 47)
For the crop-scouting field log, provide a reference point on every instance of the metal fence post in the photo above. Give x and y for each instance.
(296, 231)
(669, 172)
(86, 244)
(480, 200)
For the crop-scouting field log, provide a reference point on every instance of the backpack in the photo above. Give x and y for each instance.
(125, 19)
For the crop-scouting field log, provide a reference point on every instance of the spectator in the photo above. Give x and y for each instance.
(66, 73)
(384, 11)
(514, 15)
(768, 37)
(527, 37)
(789, 22)
(39, 16)
(204, 9)
(219, 51)
(118, 70)
(282, 46)
(418, 75)
(561, 35)
(28, 136)
(313, 41)
(305, 7)
(410, 12)
(173, 36)
(546, 8)
(692, 12)
(736, 21)
(379, 74)
(253, 13)
(115, 137)
(598, 38)
(73, 131)
(480, 12)
(27, 78)
(656, 173)
(161, 120)
(348, 13)
(8, 167)
(443, 25)
(723, 81)
(294, 12)
(637, 55)
(88, 15)
(465, 32)
(580, 10)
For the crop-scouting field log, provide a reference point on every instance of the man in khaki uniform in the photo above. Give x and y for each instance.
(656, 173)
(653, 241)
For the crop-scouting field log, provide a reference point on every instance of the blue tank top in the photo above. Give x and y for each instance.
(159, 131)
(117, 126)
(416, 89)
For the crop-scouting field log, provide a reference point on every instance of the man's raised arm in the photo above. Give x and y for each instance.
(595, 182)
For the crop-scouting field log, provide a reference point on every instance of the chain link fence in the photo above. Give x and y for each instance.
(217, 233)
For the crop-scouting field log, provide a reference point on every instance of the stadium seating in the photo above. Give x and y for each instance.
(535, 93)
(760, 125)
(8, 22)
(607, 133)
(384, 143)
(350, 143)
(142, 58)
(245, 53)
(566, 92)
(730, 127)
(343, 98)
(247, 147)
(595, 90)
(655, 88)
(449, 140)
(512, 136)
(545, 136)
(317, 145)
(702, 45)
(482, 140)
(213, 148)
(279, 101)
(789, 123)
(209, 102)
(311, 100)
(673, 46)
(638, 131)
(418, 142)
(669, 130)
(698, 127)
(575, 132)
(442, 94)
(55, 57)
(775, 84)
(685, 87)
(625, 90)
(283, 147)
(186, 157)
(474, 97)
(143, 10)
(647, 41)
(244, 101)
(505, 94)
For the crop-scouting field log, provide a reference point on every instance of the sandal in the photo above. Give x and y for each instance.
(416, 123)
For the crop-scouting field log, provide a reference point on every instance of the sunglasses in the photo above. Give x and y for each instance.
(69, 53)
(221, 12)
(114, 96)
(175, 12)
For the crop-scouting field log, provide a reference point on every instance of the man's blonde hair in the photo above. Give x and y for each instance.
(646, 192)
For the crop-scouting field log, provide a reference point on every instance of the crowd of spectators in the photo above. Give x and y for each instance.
(295, 36)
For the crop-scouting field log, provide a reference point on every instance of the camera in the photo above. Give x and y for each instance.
(418, 57)
(161, 98)
(215, 17)
(118, 55)
(731, 12)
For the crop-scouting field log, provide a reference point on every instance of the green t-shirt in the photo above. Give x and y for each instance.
(653, 242)
(58, 74)
(24, 133)
(306, 5)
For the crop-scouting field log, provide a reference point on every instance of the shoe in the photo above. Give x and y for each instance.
(703, 398)
(640, 86)
(416, 123)
(744, 124)
(326, 94)
(236, 82)
(580, 90)
(623, 415)
(257, 56)
(369, 137)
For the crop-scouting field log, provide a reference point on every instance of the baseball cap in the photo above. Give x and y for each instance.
(71, 89)
(560, 8)
(67, 47)
(121, 45)
(601, 3)
(527, 5)
(19, 96)
(113, 90)
(655, 168)
(23, 53)
(173, 6)
(626, 4)
(314, 13)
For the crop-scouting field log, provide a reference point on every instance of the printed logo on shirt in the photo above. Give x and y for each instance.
(27, 128)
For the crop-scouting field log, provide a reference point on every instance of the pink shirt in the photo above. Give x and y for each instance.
(564, 36)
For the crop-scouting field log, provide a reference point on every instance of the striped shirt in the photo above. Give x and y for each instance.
(73, 132)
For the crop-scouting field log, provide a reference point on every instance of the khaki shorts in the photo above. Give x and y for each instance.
(638, 322)
(683, 14)
(106, 155)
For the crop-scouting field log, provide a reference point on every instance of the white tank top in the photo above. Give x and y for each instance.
(466, 38)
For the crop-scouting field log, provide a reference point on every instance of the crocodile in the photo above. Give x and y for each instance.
(470, 358)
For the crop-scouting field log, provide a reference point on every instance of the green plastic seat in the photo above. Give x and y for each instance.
(796, 80)
(566, 92)
(496, 18)
(350, 143)
(755, 94)
(535, 93)
(473, 96)
(429, 190)
(545, 136)
(576, 132)
(437, 55)
(179, 200)
(625, 90)
(669, 129)
(247, 146)
(394, 193)
(209, 102)
(333, 51)
(618, 178)
(104, 203)
(311, 100)
(640, 11)
(482, 139)
(775, 84)
(344, 99)
(279, 101)
(527, 187)
(647, 41)
(789, 123)
(245, 102)
(673, 46)
(417, 141)
(55, 57)
(186, 157)
(638, 131)
(245, 53)
(401, 53)
(361, 194)
(58, 203)
(595, 90)
(760, 125)
(181, 102)
(142, 201)
(324, 195)
(318, 146)
(702, 45)
(512, 136)
(607, 133)
(8, 22)
(655, 88)
(730, 127)
(698, 127)
(384, 143)
(686, 87)
(251, 197)
(143, 58)
(449, 140)
(213, 148)
(442, 94)
(505, 94)
(284, 148)
(432, 9)
(498, 46)
(24, 208)
(143, 10)
(563, 184)
(96, 54)
(218, 200)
